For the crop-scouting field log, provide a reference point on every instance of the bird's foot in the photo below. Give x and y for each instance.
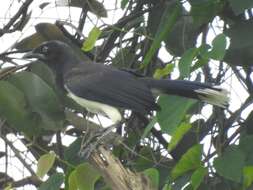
(95, 138)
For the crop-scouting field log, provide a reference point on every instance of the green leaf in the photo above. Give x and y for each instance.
(173, 110)
(247, 176)
(123, 3)
(45, 163)
(168, 20)
(41, 98)
(12, 102)
(240, 51)
(219, 47)
(186, 62)
(160, 73)
(123, 57)
(203, 51)
(166, 187)
(240, 6)
(179, 134)
(240, 35)
(93, 6)
(30, 42)
(8, 187)
(181, 182)
(245, 144)
(53, 183)
(230, 164)
(71, 153)
(190, 160)
(44, 72)
(203, 57)
(72, 181)
(13, 108)
(97, 8)
(153, 174)
(86, 176)
(89, 43)
(204, 11)
(198, 176)
(183, 36)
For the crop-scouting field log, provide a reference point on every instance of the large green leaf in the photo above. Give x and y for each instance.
(198, 176)
(204, 11)
(240, 6)
(246, 147)
(85, 177)
(72, 181)
(12, 101)
(230, 164)
(41, 98)
(245, 144)
(183, 36)
(44, 72)
(153, 174)
(179, 133)
(168, 20)
(180, 182)
(173, 110)
(53, 183)
(240, 34)
(240, 51)
(190, 160)
(71, 154)
(13, 108)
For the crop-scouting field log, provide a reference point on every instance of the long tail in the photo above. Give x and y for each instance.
(210, 94)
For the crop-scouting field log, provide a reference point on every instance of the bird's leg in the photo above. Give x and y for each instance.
(90, 133)
(101, 136)
(86, 137)
(100, 124)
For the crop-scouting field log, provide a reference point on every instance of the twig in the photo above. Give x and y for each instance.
(22, 10)
(27, 181)
(18, 155)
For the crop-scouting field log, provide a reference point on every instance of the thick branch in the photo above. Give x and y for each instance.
(115, 174)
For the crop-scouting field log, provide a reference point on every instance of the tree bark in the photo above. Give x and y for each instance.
(114, 173)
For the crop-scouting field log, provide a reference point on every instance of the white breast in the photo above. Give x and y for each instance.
(97, 107)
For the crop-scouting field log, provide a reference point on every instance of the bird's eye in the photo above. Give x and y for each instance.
(44, 49)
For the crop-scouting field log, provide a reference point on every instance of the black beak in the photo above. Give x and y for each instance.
(32, 54)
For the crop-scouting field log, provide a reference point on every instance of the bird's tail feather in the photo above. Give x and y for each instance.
(214, 95)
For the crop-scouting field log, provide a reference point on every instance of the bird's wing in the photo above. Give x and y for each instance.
(110, 86)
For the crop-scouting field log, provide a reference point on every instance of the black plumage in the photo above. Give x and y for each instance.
(103, 89)
(110, 86)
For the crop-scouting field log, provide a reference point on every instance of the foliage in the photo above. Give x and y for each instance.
(207, 40)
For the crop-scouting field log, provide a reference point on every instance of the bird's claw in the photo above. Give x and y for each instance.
(94, 139)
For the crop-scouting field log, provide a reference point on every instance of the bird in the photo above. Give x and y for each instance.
(102, 89)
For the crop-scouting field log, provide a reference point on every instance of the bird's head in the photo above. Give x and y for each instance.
(50, 51)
